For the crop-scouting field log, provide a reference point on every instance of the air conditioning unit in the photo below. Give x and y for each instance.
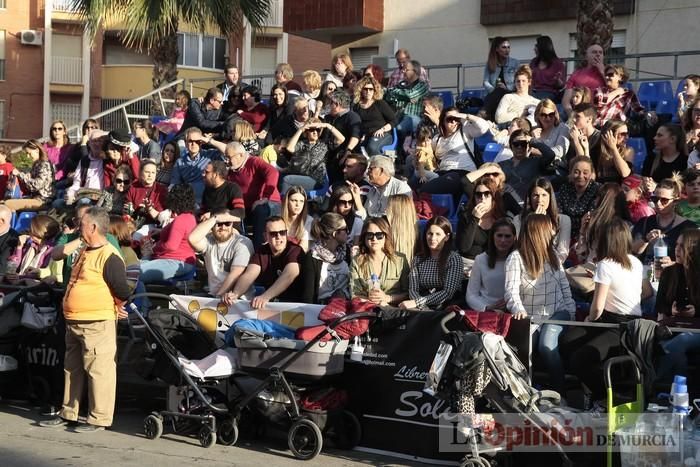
(30, 37)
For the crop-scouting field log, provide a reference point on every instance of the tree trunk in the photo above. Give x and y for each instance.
(595, 24)
(164, 54)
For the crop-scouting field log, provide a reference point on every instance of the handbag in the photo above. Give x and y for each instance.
(38, 318)
(580, 279)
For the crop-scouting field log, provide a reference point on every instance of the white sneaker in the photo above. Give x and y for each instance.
(8, 363)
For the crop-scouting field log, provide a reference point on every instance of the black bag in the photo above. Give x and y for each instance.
(467, 355)
(42, 355)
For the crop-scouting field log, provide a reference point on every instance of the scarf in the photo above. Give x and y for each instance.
(320, 252)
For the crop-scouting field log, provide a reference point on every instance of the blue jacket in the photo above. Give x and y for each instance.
(509, 70)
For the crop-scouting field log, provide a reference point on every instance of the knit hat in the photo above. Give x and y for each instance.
(632, 182)
(120, 137)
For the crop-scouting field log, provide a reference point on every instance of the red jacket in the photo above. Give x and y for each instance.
(257, 180)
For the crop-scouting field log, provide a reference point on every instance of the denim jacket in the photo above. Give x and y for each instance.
(490, 78)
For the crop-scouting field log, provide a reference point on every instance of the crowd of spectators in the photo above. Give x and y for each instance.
(293, 196)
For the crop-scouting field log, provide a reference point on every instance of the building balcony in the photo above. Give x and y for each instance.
(334, 21)
(276, 14)
(67, 74)
(64, 11)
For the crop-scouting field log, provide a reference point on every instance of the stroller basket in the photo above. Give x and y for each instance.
(324, 358)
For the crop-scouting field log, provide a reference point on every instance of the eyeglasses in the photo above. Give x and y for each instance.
(193, 141)
(660, 199)
(520, 144)
(375, 235)
(482, 194)
(277, 233)
(549, 115)
(57, 128)
(121, 180)
(224, 224)
(367, 88)
(220, 101)
(344, 202)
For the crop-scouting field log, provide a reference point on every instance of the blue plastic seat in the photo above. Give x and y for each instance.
(640, 153)
(23, 220)
(483, 140)
(448, 100)
(491, 151)
(651, 92)
(628, 85)
(422, 224)
(478, 93)
(394, 142)
(185, 278)
(444, 201)
(317, 193)
(667, 106)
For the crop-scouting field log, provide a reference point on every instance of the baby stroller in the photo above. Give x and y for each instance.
(482, 367)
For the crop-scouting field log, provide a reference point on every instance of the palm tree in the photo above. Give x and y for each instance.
(151, 25)
(594, 25)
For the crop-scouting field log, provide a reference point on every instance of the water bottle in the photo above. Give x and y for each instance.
(374, 282)
(660, 251)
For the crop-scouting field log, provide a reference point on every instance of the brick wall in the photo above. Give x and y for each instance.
(305, 54)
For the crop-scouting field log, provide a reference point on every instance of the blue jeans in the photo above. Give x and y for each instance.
(374, 145)
(159, 270)
(548, 349)
(304, 181)
(259, 217)
(675, 361)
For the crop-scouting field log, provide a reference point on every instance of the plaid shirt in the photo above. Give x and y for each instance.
(429, 286)
(408, 97)
(615, 108)
(397, 76)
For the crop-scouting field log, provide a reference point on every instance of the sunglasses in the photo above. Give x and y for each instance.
(609, 75)
(345, 202)
(193, 141)
(277, 233)
(309, 130)
(520, 144)
(660, 199)
(549, 115)
(491, 174)
(482, 194)
(57, 128)
(375, 235)
(224, 224)
(453, 120)
(121, 180)
(367, 89)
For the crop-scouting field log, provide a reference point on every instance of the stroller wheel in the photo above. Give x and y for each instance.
(153, 426)
(207, 438)
(228, 432)
(348, 433)
(305, 439)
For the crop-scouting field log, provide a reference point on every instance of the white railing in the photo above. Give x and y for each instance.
(67, 70)
(276, 10)
(63, 5)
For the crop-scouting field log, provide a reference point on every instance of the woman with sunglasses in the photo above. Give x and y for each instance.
(540, 200)
(113, 198)
(521, 169)
(578, 195)
(59, 148)
(378, 273)
(613, 163)
(170, 155)
(665, 223)
(327, 89)
(536, 287)
(552, 132)
(486, 287)
(307, 163)
(295, 209)
(511, 199)
(38, 185)
(484, 208)
(378, 118)
(613, 101)
(343, 202)
(326, 266)
(670, 155)
(455, 149)
(436, 270)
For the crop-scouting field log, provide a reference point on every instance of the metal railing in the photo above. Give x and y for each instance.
(67, 70)
(121, 115)
(2, 69)
(276, 12)
(63, 5)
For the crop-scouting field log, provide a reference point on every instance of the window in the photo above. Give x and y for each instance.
(617, 49)
(201, 51)
(362, 56)
(2, 54)
(3, 4)
(2, 119)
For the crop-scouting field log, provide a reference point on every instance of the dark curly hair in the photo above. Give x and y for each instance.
(180, 199)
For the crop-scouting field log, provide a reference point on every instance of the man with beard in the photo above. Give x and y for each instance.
(226, 252)
(220, 193)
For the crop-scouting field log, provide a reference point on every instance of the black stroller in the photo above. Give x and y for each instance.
(267, 381)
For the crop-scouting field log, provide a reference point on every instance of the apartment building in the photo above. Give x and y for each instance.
(49, 70)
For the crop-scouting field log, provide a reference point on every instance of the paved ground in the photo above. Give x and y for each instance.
(23, 443)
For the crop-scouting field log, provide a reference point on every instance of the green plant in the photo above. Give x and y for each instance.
(22, 161)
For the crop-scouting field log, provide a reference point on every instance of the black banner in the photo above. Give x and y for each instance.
(386, 388)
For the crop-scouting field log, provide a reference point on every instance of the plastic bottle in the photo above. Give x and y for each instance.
(374, 282)
(660, 251)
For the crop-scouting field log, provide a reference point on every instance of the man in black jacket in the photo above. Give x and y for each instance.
(231, 89)
(207, 115)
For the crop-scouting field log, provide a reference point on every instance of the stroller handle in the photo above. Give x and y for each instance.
(149, 295)
(614, 361)
(449, 317)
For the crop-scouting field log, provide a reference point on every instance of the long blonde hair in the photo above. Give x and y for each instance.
(535, 244)
(243, 131)
(401, 214)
